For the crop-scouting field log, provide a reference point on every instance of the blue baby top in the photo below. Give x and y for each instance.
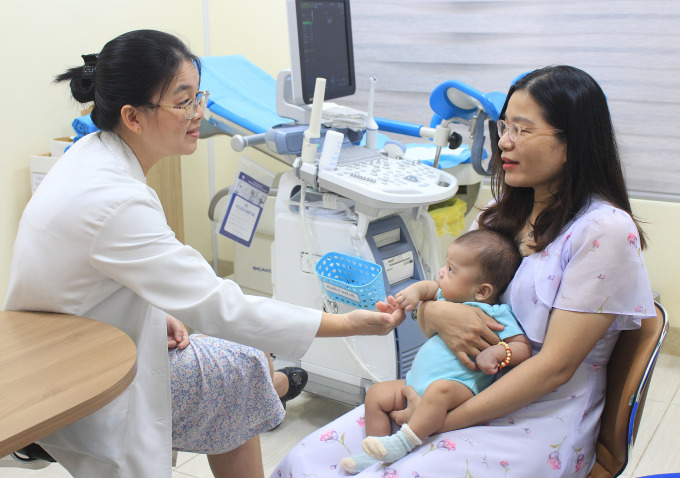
(434, 360)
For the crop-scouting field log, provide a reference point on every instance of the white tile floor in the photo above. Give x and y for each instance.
(657, 449)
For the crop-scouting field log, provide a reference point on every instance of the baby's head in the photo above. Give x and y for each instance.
(479, 266)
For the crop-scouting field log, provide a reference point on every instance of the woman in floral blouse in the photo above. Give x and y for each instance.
(559, 189)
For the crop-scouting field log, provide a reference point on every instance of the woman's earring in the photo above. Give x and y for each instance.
(139, 131)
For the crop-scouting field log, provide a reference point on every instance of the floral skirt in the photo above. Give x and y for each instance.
(553, 437)
(222, 395)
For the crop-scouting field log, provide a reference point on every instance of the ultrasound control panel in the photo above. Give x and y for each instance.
(378, 181)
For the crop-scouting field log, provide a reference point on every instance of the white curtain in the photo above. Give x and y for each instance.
(631, 47)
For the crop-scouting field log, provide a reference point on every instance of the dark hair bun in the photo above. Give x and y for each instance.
(82, 89)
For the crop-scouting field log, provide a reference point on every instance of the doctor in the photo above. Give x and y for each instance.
(94, 241)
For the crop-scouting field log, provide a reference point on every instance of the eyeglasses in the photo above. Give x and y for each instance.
(191, 105)
(515, 130)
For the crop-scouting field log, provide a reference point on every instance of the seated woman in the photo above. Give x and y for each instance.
(223, 394)
(559, 189)
(94, 241)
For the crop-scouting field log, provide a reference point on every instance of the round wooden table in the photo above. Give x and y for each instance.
(56, 369)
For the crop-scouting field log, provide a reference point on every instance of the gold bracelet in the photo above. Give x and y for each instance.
(508, 355)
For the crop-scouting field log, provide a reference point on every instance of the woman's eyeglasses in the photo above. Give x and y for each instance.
(190, 107)
(515, 130)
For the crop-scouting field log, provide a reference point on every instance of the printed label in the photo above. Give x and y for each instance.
(244, 211)
(333, 289)
(399, 268)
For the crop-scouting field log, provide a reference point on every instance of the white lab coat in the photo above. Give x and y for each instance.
(93, 241)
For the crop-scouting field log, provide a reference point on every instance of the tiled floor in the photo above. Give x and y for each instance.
(657, 449)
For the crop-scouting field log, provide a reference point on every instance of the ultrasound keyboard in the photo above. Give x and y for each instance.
(373, 179)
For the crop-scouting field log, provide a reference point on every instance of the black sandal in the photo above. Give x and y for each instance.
(297, 379)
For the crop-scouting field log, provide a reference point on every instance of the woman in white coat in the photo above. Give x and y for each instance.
(93, 241)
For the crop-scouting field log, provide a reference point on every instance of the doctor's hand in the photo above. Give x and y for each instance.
(178, 337)
(465, 329)
(390, 307)
(359, 322)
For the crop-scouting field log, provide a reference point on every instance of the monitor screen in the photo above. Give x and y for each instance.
(321, 46)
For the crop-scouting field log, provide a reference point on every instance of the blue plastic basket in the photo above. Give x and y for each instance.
(351, 280)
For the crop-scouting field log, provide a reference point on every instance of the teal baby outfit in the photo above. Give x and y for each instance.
(434, 360)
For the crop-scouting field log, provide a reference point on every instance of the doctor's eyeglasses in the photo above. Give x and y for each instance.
(515, 130)
(191, 105)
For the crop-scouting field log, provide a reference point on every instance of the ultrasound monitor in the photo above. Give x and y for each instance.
(320, 33)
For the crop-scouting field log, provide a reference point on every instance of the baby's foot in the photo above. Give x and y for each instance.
(392, 448)
(357, 463)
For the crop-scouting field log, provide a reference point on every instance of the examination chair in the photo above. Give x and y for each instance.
(628, 375)
(456, 102)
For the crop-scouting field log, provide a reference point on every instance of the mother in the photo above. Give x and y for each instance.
(558, 188)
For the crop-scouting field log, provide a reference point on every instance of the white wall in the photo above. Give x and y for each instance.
(40, 39)
(259, 31)
(661, 223)
(37, 47)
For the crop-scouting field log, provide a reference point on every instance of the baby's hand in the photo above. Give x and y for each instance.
(407, 299)
(487, 361)
(389, 307)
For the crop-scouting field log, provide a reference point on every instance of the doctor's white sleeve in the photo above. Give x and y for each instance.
(136, 248)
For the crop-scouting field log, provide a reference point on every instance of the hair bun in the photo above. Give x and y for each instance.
(82, 83)
(82, 89)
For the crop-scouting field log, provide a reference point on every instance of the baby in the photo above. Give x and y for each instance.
(479, 266)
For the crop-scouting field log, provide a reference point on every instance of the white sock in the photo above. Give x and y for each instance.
(357, 463)
(392, 448)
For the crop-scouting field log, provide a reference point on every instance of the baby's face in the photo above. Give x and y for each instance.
(459, 278)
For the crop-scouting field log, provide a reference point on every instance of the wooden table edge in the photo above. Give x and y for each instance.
(42, 429)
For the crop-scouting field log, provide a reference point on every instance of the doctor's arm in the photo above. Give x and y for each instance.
(137, 249)
(569, 339)
(358, 322)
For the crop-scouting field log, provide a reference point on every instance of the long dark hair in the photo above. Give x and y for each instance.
(130, 70)
(573, 102)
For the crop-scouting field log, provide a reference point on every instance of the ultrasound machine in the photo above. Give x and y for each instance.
(350, 223)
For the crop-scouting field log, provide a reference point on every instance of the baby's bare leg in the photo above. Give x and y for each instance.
(381, 399)
(439, 397)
